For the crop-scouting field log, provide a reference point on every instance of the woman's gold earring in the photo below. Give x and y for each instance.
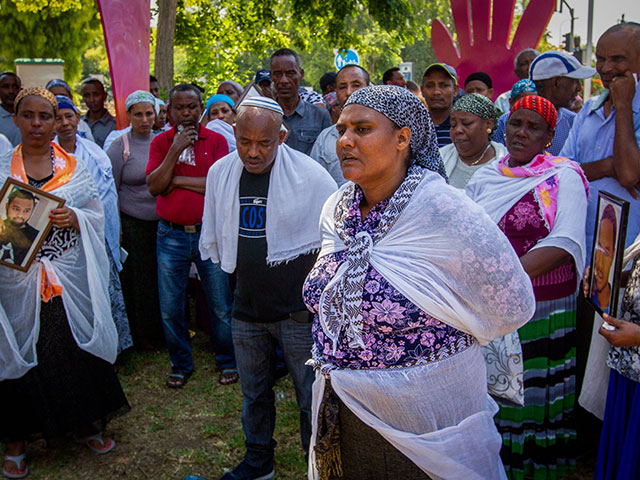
(488, 130)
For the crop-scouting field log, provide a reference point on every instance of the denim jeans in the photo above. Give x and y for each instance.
(176, 251)
(255, 346)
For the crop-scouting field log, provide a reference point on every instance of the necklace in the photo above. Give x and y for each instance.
(480, 157)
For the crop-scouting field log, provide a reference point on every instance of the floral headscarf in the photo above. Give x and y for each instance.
(478, 105)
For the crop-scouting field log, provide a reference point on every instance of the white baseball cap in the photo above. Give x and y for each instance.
(558, 64)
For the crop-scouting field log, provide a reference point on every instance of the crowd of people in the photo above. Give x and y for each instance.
(411, 255)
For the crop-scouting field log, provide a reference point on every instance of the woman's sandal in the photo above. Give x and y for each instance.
(228, 376)
(177, 379)
(106, 448)
(17, 459)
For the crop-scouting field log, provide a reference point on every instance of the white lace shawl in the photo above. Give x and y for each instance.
(446, 256)
(497, 193)
(83, 272)
(298, 188)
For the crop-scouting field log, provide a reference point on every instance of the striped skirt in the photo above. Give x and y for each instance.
(538, 439)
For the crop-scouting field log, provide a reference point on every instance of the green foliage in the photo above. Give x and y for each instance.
(48, 29)
(232, 40)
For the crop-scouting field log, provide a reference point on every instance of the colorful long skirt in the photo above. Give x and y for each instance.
(619, 452)
(539, 438)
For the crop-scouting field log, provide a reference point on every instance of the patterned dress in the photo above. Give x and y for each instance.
(619, 453)
(539, 438)
(396, 333)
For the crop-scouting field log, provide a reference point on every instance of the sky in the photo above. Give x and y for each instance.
(605, 14)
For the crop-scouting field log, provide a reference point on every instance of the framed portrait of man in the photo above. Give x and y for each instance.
(608, 251)
(24, 222)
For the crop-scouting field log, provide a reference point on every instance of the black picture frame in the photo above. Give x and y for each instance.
(19, 245)
(606, 266)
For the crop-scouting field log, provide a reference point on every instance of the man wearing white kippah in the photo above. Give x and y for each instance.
(261, 213)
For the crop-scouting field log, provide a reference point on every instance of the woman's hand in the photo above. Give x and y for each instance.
(64, 217)
(625, 334)
(585, 282)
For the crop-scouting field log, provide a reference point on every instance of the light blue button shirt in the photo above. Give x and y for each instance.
(591, 139)
(99, 166)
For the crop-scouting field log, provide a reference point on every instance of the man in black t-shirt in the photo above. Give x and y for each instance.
(279, 194)
(16, 235)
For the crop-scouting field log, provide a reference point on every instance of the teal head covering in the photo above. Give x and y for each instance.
(218, 97)
(140, 96)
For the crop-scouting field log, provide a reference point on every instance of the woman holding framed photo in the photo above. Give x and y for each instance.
(57, 337)
(540, 202)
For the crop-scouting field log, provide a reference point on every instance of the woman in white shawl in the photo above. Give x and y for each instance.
(540, 203)
(57, 337)
(411, 278)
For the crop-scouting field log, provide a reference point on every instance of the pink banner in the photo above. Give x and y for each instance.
(484, 49)
(126, 34)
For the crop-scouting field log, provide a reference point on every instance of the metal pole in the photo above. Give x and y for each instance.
(588, 60)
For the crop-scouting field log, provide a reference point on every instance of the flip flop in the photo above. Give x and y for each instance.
(179, 380)
(228, 376)
(98, 438)
(17, 459)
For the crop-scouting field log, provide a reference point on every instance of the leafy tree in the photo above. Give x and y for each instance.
(47, 29)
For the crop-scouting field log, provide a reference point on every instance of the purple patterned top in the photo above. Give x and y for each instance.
(396, 333)
(524, 225)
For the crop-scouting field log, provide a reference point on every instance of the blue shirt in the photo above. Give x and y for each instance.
(563, 127)
(443, 132)
(99, 166)
(306, 122)
(591, 139)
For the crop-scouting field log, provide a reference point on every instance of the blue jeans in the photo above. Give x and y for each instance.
(176, 251)
(255, 346)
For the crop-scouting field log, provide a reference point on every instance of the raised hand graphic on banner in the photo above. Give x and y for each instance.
(481, 50)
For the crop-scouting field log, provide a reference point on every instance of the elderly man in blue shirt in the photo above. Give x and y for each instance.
(349, 79)
(557, 77)
(605, 137)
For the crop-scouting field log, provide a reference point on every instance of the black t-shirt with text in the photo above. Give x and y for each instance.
(263, 293)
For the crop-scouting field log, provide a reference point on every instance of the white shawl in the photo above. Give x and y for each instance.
(446, 256)
(497, 193)
(298, 188)
(83, 273)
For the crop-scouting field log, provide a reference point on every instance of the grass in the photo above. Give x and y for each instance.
(169, 433)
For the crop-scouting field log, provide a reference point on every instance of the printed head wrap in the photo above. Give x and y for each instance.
(539, 105)
(38, 92)
(521, 86)
(262, 102)
(56, 82)
(65, 102)
(140, 96)
(159, 103)
(330, 100)
(218, 97)
(405, 110)
(479, 105)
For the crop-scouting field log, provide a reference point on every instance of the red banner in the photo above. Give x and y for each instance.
(126, 34)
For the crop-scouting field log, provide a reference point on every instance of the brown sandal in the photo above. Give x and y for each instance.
(228, 376)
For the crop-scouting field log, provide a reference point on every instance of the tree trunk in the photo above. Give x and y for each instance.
(164, 42)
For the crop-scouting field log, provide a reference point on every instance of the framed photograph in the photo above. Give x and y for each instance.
(24, 222)
(608, 250)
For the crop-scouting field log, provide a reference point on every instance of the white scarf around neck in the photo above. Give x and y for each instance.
(298, 188)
